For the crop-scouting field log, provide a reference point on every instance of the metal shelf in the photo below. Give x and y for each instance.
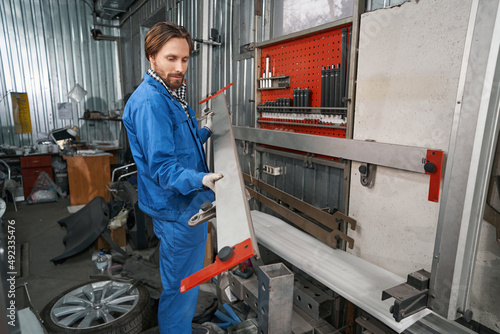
(277, 82)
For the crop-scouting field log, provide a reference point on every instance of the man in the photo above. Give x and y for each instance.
(173, 177)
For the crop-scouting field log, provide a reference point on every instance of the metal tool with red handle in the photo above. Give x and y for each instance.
(235, 236)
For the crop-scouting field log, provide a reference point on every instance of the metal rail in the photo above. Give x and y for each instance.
(408, 158)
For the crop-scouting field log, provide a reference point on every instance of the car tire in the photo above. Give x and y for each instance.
(99, 307)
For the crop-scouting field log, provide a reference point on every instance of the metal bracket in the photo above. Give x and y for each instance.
(273, 170)
(215, 38)
(245, 145)
(402, 157)
(308, 161)
(247, 47)
(207, 211)
(311, 299)
(339, 235)
(372, 325)
(331, 221)
(340, 217)
(410, 297)
(367, 174)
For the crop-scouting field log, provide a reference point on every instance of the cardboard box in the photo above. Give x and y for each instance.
(118, 235)
(209, 254)
(95, 115)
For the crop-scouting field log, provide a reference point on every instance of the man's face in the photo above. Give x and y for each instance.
(171, 62)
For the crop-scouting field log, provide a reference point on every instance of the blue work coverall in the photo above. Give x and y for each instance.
(167, 149)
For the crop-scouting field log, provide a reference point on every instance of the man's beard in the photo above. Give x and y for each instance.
(173, 83)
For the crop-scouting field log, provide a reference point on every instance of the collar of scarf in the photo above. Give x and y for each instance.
(178, 94)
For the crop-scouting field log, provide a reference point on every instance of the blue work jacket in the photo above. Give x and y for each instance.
(167, 147)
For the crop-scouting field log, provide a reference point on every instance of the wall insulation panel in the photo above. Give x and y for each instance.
(45, 50)
(410, 58)
(406, 89)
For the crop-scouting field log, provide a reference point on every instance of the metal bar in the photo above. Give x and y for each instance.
(317, 214)
(473, 138)
(408, 158)
(305, 124)
(312, 109)
(235, 232)
(433, 323)
(353, 64)
(319, 161)
(233, 213)
(275, 299)
(355, 279)
(306, 225)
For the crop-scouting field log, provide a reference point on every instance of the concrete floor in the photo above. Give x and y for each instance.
(36, 225)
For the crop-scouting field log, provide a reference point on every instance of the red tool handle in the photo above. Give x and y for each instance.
(241, 252)
(218, 92)
(435, 158)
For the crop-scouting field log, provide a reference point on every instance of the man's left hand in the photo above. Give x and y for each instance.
(209, 121)
(209, 180)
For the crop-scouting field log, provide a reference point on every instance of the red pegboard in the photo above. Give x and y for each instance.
(302, 60)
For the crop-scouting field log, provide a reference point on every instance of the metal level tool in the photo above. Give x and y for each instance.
(235, 236)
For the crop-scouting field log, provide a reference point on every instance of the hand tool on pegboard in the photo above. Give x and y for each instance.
(338, 96)
(323, 76)
(327, 86)
(331, 93)
(343, 67)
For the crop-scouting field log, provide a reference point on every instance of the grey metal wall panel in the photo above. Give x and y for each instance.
(244, 93)
(222, 55)
(189, 14)
(318, 185)
(146, 14)
(46, 49)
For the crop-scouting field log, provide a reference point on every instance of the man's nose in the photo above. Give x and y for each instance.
(179, 66)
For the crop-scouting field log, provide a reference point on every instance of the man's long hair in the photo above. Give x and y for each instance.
(161, 33)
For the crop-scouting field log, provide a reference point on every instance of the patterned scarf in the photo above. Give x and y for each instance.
(178, 94)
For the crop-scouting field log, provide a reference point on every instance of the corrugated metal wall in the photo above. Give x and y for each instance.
(45, 49)
(314, 183)
(50, 49)
(133, 30)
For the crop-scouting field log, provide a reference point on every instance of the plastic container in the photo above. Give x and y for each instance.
(102, 263)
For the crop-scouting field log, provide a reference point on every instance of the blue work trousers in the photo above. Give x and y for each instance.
(182, 253)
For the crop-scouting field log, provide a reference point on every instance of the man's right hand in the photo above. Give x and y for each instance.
(209, 180)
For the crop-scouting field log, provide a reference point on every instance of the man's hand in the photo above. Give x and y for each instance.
(209, 121)
(209, 180)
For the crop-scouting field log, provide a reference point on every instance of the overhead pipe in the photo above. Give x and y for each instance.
(94, 14)
(129, 14)
(122, 21)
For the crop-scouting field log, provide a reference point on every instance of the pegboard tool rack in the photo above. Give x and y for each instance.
(300, 60)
